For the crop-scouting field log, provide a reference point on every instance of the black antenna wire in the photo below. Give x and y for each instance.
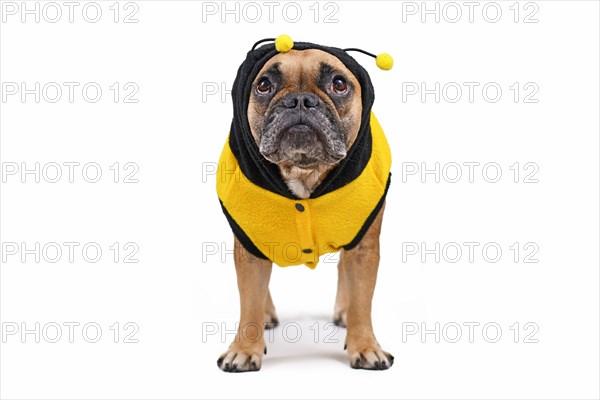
(262, 41)
(361, 51)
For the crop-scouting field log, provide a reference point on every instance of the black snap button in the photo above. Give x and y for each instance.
(299, 207)
(307, 251)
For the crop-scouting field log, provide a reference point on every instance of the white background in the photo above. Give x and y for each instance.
(180, 291)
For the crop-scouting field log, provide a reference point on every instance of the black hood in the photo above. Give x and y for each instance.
(262, 172)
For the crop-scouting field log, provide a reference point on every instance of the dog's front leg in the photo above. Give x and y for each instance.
(248, 347)
(360, 271)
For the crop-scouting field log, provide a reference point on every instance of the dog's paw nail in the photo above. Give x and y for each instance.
(358, 363)
(265, 350)
(390, 358)
(220, 361)
(345, 346)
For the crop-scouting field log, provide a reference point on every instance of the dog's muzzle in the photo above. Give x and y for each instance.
(302, 129)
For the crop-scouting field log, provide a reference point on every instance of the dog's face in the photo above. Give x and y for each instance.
(305, 109)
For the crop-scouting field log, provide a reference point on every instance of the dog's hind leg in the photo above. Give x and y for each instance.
(340, 309)
(271, 320)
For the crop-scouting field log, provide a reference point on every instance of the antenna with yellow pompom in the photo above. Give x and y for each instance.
(284, 43)
(384, 61)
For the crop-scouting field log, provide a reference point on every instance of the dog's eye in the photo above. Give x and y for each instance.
(339, 85)
(264, 86)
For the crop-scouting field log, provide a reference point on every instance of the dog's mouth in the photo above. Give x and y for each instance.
(300, 128)
(301, 140)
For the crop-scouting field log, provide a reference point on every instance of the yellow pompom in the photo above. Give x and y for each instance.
(284, 43)
(384, 61)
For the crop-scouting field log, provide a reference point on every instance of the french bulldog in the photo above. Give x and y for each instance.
(305, 113)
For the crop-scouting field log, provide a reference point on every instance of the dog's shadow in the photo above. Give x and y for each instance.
(311, 337)
(289, 359)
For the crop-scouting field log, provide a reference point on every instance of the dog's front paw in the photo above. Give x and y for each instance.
(369, 357)
(241, 358)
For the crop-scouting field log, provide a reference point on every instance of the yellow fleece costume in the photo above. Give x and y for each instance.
(267, 218)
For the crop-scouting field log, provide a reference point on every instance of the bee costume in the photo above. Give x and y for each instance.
(265, 216)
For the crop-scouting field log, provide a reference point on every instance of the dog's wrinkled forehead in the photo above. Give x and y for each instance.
(300, 67)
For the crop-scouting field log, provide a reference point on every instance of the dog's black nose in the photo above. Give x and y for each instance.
(301, 100)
